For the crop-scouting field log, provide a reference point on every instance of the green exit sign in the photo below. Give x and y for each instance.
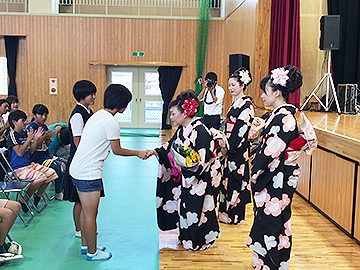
(138, 54)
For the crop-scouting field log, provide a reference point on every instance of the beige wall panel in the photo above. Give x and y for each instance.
(62, 47)
(312, 58)
(332, 187)
(240, 36)
(232, 5)
(357, 208)
(304, 179)
(43, 6)
(262, 49)
(313, 6)
(2, 46)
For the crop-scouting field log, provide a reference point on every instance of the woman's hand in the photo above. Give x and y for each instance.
(142, 155)
(150, 153)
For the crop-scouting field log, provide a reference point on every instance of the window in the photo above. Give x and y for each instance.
(3, 76)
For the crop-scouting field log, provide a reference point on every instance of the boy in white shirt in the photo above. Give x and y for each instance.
(101, 133)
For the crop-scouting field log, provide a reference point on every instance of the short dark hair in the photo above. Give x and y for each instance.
(264, 82)
(12, 99)
(211, 75)
(116, 96)
(40, 109)
(2, 101)
(82, 89)
(16, 116)
(64, 136)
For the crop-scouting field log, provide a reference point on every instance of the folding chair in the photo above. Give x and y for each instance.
(11, 177)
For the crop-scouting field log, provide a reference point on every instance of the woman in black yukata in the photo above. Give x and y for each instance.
(186, 198)
(275, 172)
(235, 188)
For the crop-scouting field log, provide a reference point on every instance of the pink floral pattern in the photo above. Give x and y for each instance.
(284, 242)
(190, 203)
(274, 146)
(287, 227)
(273, 189)
(236, 172)
(273, 207)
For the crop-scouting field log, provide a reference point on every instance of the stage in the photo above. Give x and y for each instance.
(330, 177)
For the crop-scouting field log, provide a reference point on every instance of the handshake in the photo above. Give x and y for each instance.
(146, 154)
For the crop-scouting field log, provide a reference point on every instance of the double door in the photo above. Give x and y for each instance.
(145, 109)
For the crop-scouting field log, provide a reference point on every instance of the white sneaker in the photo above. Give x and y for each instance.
(84, 250)
(15, 248)
(98, 255)
(59, 196)
(78, 234)
(5, 257)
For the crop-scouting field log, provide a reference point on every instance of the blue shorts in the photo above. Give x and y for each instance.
(88, 185)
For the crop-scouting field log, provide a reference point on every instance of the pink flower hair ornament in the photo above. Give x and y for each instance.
(190, 106)
(279, 76)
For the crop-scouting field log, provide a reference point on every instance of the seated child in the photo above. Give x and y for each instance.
(21, 145)
(14, 106)
(9, 210)
(41, 155)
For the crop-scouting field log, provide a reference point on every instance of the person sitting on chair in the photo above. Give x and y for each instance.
(9, 210)
(21, 145)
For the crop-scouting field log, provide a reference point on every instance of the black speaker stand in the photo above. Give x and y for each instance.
(329, 84)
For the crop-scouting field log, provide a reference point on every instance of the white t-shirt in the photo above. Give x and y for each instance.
(77, 122)
(5, 116)
(94, 146)
(2, 124)
(211, 107)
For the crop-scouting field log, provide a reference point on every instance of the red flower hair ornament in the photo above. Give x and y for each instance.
(190, 106)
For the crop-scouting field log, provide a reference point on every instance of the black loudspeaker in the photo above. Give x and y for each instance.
(238, 60)
(330, 32)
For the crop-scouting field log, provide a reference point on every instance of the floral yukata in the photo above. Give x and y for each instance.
(187, 199)
(275, 175)
(235, 188)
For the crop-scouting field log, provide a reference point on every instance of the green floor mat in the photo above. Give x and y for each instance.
(126, 221)
(139, 132)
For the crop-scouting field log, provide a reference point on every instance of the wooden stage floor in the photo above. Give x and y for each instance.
(317, 243)
(338, 133)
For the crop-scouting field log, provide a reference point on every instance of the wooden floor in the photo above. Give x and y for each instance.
(317, 245)
(346, 125)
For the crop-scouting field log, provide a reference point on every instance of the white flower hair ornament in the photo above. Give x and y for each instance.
(245, 76)
(279, 76)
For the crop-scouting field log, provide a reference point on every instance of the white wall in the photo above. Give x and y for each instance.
(42, 6)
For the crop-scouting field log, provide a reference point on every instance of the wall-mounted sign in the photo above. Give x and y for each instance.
(138, 54)
(53, 86)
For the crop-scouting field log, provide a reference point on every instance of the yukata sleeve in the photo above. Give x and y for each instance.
(241, 127)
(162, 151)
(204, 145)
(281, 131)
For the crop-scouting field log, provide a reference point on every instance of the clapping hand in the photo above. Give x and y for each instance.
(30, 133)
(39, 133)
